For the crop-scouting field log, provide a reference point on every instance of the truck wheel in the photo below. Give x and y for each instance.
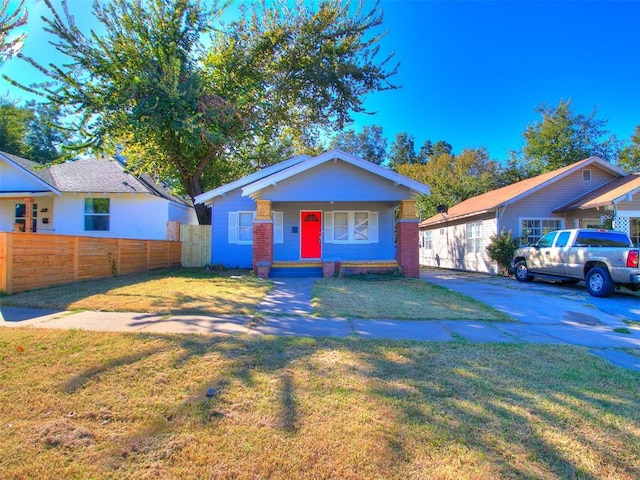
(598, 282)
(522, 272)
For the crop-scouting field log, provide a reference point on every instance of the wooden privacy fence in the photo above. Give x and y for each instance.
(196, 245)
(35, 260)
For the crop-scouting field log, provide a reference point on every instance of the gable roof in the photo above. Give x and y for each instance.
(90, 175)
(251, 185)
(207, 197)
(612, 193)
(32, 170)
(491, 201)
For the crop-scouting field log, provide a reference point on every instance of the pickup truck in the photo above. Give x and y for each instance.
(604, 259)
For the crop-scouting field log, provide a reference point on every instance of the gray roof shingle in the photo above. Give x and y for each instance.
(93, 175)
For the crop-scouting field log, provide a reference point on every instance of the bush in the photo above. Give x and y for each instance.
(502, 248)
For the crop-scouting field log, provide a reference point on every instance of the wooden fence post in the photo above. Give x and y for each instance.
(6, 262)
(119, 264)
(76, 257)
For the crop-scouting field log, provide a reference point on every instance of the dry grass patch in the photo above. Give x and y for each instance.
(300, 408)
(385, 296)
(174, 291)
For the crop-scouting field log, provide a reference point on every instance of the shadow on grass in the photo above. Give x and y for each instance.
(405, 408)
(194, 291)
(518, 408)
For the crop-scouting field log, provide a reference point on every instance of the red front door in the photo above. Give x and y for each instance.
(310, 238)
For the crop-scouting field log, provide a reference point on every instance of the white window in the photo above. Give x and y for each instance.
(531, 230)
(427, 240)
(474, 237)
(351, 227)
(241, 227)
(586, 175)
(97, 214)
(278, 227)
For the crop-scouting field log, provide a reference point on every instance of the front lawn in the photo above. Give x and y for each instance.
(196, 291)
(81, 405)
(172, 291)
(383, 296)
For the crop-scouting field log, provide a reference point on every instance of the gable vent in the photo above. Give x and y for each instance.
(586, 175)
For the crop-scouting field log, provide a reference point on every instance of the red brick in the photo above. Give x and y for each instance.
(408, 255)
(262, 244)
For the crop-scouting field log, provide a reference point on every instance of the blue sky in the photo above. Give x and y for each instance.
(473, 72)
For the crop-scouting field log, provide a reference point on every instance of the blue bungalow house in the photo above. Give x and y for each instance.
(329, 212)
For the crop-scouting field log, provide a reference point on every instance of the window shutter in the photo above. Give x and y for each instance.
(373, 227)
(278, 227)
(232, 229)
(328, 227)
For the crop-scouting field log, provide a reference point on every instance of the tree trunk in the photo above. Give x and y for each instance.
(192, 184)
(204, 214)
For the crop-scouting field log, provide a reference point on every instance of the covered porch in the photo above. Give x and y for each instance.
(320, 259)
(26, 213)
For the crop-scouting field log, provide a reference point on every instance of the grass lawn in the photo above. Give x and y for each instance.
(194, 291)
(84, 405)
(381, 296)
(172, 291)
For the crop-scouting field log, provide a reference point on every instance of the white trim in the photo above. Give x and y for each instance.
(278, 227)
(251, 189)
(233, 227)
(330, 227)
(539, 219)
(207, 197)
(476, 235)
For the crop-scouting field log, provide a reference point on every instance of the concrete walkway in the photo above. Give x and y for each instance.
(287, 311)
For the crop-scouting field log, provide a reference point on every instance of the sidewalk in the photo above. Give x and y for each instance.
(287, 312)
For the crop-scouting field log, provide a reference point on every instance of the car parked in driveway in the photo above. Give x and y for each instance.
(604, 259)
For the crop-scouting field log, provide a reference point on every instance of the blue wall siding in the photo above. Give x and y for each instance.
(338, 182)
(232, 255)
(222, 252)
(348, 188)
(383, 250)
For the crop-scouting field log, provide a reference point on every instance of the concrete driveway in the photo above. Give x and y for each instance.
(555, 312)
(541, 302)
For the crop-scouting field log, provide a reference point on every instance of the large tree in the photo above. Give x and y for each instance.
(561, 138)
(9, 21)
(14, 122)
(453, 178)
(369, 143)
(30, 132)
(629, 156)
(402, 151)
(185, 92)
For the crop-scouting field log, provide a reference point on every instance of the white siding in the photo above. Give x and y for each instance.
(450, 247)
(139, 216)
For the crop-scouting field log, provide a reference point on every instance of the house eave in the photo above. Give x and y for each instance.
(30, 193)
(207, 198)
(415, 188)
(447, 219)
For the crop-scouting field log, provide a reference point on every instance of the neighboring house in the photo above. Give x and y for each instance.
(589, 193)
(334, 210)
(88, 197)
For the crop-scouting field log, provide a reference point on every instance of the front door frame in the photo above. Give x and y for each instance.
(303, 213)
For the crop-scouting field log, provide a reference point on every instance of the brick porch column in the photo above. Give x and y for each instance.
(262, 235)
(407, 238)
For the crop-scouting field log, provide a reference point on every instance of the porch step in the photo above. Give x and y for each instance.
(296, 269)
